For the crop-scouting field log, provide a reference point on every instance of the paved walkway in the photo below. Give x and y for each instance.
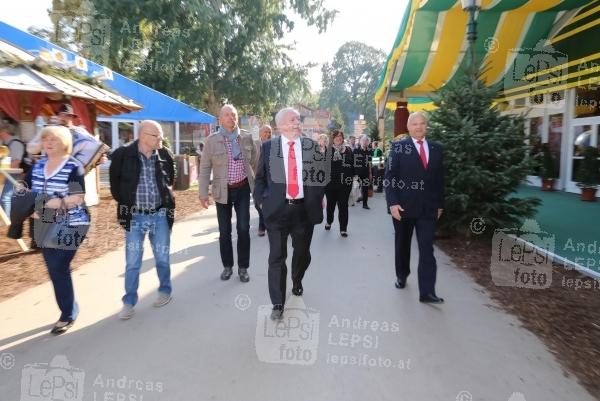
(356, 338)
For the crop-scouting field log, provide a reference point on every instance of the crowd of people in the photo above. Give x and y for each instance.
(288, 175)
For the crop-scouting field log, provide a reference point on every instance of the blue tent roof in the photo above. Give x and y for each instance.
(157, 105)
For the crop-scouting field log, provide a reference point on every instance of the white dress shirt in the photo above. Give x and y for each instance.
(425, 146)
(298, 153)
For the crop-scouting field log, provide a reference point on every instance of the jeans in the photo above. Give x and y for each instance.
(58, 262)
(7, 193)
(239, 199)
(155, 224)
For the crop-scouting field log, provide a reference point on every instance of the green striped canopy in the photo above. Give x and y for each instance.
(524, 46)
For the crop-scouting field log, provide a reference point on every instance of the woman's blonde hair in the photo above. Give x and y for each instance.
(61, 133)
(325, 138)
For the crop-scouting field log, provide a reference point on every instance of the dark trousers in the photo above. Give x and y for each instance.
(58, 262)
(364, 189)
(238, 199)
(261, 219)
(338, 196)
(378, 176)
(427, 269)
(292, 222)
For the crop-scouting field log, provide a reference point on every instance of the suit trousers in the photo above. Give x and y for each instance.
(293, 222)
(427, 268)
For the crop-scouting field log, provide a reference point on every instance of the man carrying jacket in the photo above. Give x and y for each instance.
(141, 177)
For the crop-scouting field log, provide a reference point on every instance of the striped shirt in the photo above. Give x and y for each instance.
(66, 180)
(235, 168)
(147, 194)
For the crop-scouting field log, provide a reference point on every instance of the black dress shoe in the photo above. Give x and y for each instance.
(243, 273)
(227, 272)
(431, 299)
(328, 226)
(400, 284)
(277, 312)
(60, 326)
(366, 207)
(344, 234)
(297, 289)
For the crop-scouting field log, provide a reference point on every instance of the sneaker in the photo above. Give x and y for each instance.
(162, 300)
(127, 312)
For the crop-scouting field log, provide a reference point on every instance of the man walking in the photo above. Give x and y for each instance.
(141, 179)
(415, 197)
(290, 184)
(231, 155)
(17, 153)
(264, 135)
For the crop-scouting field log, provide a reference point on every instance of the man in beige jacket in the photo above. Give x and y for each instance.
(230, 154)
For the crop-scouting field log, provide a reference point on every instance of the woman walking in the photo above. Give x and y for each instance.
(58, 180)
(338, 188)
(362, 168)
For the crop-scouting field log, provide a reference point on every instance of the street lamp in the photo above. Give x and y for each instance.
(471, 6)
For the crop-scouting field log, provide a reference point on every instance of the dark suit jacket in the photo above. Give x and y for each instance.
(418, 191)
(270, 184)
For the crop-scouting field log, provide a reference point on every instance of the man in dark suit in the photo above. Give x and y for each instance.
(414, 181)
(289, 188)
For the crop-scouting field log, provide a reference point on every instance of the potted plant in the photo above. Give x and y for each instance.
(548, 168)
(588, 174)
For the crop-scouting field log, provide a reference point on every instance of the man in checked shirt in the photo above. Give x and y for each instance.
(230, 154)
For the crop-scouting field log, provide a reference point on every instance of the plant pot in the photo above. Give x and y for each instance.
(588, 194)
(547, 184)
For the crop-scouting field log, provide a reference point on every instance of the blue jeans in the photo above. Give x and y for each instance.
(239, 199)
(160, 239)
(58, 262)
(7, 193)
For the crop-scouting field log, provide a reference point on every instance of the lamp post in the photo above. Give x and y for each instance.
(471, 6)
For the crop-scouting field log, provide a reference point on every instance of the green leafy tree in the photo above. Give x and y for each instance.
(207, 52)
(486, 157)
(350, 81)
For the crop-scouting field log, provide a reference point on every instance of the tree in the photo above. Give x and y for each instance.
(337, 120)
(350, 81)
(207, 52)
(486, 156)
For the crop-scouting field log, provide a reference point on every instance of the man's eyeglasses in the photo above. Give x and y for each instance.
(155, 136)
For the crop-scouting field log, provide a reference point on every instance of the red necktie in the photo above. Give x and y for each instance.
(422, 154)
(292, 179)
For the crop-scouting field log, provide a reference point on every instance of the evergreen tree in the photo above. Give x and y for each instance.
(485, 155)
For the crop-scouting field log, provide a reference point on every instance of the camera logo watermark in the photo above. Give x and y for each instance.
(56, 381)
(242, 302)
(464, 396)
(294, 340)
(522, 257)
(536, 68)
(7, 361)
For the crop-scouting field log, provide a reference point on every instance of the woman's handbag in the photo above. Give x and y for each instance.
(62, 228)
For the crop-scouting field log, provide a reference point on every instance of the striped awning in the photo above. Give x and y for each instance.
(518, 43)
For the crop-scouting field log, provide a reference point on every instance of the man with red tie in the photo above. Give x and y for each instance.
(414, 182)
(289, 188)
